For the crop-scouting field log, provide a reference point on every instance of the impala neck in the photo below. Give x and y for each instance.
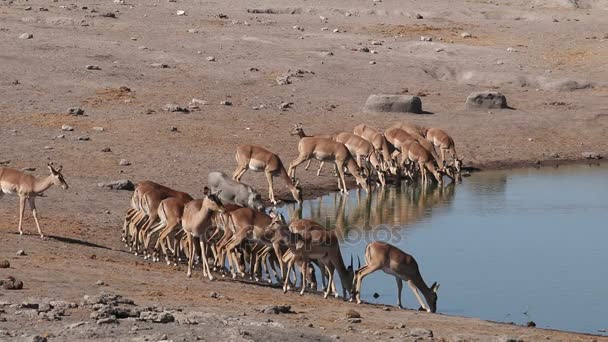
(41, 184)
(301, 134)
(421, 285)
(286, 178)
(354, 169)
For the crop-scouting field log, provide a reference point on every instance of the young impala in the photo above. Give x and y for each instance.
(393, 261)
(441, 139)
(27, 187)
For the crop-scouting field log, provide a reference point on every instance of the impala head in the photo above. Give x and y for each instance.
(297, 130)
(431, 298)
(296, 190)
(212, 200)
(57, 177)
(458, 164)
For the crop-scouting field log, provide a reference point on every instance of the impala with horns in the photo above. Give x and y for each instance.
(256, 158)
(327, 150)
(442, 139)
(197, 223)
(393, 261)
(27, 187)
(234, 192)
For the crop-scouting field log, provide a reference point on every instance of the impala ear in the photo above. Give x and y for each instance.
(206, 191)
(435, 287)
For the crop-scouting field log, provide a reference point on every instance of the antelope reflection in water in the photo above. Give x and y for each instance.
(390, 206)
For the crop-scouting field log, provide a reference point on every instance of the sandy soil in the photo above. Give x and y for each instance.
(558, 49)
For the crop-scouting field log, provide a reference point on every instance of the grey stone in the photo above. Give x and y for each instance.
(83, 138)
(108, 320)
(211, 59)
(226, 103)
(354, 320)
(285, 105)
(98, 129)
(92, 67)
(466, 35)
(421, 332)
(419, 16)
(426, 38)
(486, 100)
(21, 252)
(509, 339)
(277, 309)
(172, 107)
(591, 155)
(100, 283)
(106, 149)
(158, 65)
(118, 185)
(39, 338)
(75, 111)
(26, 36)
(67, 128)
(76, 325)
(393, 104)
(124, 162)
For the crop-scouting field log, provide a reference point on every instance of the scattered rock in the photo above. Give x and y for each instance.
(192, 31)
(106, 149)
(75, 111)
(393, 104)
(426, 39)
(419, 16)
(211, 59)
(108, 320)
(76, 325)
(5, 264)
(98, 129)
(29, 169)
(420, 332)
(486, 100)
(118, 185)
(226, 103)
(214, 295)
(352, 314)
(92, 67)
(67, 128)
(21, 252)
(180, 13)
(172, 107)
(364, 49)
(83, 138)
(124, 162)
(509, 339)
(354, 320)
(100, 283)
(283, 80)
(198, 102)
(10, 283)
(372, 62)
(109, 15)
(466, 35)
(277, 309)
(336, 30)
(159, 65)
(510, 49)
(157, 317)
(26, 36)
(39, 338)
(173, 129)
(285, 105)
(591, 155)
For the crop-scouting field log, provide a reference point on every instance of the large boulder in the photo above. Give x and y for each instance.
(393, 104)
(486, 100)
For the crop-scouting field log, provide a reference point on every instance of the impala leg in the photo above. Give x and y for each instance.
(21, 212)
(292, 167)
(415, 290)
(238, 173)
(32, 202)
(320, 167)
(304, 267)
(191, 253)
(204, 256)
(308, 166)
(359, 275)
(399, 289)
(270, 188)
(443, 157)
(330, 274)
(289, 267)
(341, 176)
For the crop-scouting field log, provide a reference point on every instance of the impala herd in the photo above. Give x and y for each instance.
(228, 230)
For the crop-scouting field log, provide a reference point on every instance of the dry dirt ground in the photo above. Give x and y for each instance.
(555, 79)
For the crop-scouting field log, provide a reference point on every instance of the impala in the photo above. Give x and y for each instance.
(259, 159)
(400, 135)
(27, 187)
(197, 222)
(393, 261)
(377, 139)
(411, 129)
(441, 139)
(170, 213)
(299, 131)
(324, 149)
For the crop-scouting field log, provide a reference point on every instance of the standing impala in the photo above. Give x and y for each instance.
(27, 187)
(378, 140)
(258, 159)
(393, 261)
(327, 150)
(441, 139)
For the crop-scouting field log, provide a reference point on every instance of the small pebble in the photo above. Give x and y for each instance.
(67, 128)
(21, 252)
(124, 162)
(226, 103)
(211, 59)
(92, 67)
(26, 36)
(372, 62)
(180, 13)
